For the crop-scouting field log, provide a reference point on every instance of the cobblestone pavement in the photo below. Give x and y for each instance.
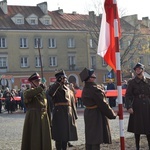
(11, 126)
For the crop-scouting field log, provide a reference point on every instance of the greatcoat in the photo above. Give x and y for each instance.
(37, 130)
(97, 129)
(63, 117)
(138, 97)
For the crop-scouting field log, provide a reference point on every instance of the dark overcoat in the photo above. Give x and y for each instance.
(63, 121)
(97, 129)
(138, 97)
(37, 130)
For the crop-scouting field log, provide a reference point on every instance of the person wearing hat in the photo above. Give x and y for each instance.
(137, 100)
(37, 124)
(96, 112)
(64, 127)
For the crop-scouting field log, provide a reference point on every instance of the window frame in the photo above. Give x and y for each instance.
(51, 43)
(53, 61)
(23, 42)
(2, 42)
(24, 64)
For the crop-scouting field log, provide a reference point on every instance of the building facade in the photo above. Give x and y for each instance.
(33, 39)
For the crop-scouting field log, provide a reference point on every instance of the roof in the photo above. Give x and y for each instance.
(60, 20)
(58, 23)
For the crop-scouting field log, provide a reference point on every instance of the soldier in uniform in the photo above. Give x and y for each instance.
(64, 113)
(37, 128)
(96, 113)
(138, 105)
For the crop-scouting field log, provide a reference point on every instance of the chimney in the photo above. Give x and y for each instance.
(74, 12)
(60, 11)
(146, 21)
(43, 7)
(92, 16)
(3, 6)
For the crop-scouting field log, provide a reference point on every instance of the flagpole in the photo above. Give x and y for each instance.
(118, 75)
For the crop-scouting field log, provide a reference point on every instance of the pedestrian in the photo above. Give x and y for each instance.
(96, 112)
(1, 95)
(9, 100)
(37, 124)
(64, 112)
(112, 100)
(124, 86)
(138, 105)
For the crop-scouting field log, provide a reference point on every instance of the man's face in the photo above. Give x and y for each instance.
(35, 83)
(138, 70)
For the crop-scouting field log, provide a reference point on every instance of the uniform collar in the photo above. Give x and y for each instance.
(143, 79)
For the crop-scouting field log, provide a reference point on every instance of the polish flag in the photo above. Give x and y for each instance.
(106, 44)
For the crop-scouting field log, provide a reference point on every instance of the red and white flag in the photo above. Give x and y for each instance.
(106, 45)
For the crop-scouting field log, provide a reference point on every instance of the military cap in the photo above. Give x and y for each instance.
(139, 65)
(34, 76)
(61, 74)
(85, 74)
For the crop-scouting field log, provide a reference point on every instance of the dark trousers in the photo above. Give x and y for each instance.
(137, 140)
(92, 146)
(61, 145)
(112, 102)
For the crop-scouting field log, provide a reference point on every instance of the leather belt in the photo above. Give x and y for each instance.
(62, 104)
(91, 107)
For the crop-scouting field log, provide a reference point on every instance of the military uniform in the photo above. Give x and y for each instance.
(37, 124)
(96, 112)
(64, 113)
(138, 97)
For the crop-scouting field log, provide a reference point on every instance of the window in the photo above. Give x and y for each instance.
(52, 43)
(2, 42)
(37, 61)
(71, 43)
(24, 61)
(91, 43)
(3, 62)
(19, 21)
(33, 21)
(53, 61)
(23, 43)
(47, 22)
(37, 43)
(93, 62)
(72, 63)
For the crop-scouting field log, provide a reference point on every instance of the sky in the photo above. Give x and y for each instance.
(125, 7)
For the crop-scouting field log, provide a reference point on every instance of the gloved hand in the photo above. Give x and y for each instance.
(42, 86)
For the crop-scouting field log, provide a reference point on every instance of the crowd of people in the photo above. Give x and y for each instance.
(51, 112)
(8, 102)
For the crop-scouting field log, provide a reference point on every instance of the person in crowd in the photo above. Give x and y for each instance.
(37, 125)
(124, 86)
(64, 127)
(96, 112)
(14, 103)
(138, 105)
(9, 100)
(112, 100)
(1, 95)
